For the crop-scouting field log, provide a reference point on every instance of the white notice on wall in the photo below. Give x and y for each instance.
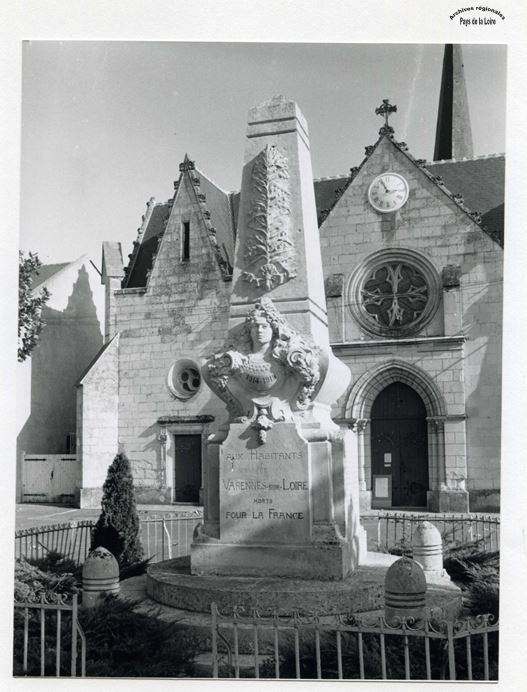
(381, 487)
(387, 458)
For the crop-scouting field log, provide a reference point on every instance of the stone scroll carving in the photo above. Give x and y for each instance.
(269, 371)
(270, 253)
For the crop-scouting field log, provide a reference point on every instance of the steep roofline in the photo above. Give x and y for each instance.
(472, 158)
(188, 168)
(330, 177)
(205, 175)
(96, 359)
(132, 257)
(421, 164)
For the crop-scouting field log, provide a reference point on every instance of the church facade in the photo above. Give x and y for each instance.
(412, 258)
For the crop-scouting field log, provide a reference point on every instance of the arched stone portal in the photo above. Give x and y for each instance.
(359, 410)
(399, 448)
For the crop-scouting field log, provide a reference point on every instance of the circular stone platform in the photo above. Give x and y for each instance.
(172, 584)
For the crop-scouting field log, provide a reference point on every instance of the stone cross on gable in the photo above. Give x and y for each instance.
(385, 110)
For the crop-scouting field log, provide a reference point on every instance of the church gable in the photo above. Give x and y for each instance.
(196, 195)
(425, 235)
(189, 248)
(429, 194)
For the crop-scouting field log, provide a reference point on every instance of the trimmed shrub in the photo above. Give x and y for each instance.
(117, 528)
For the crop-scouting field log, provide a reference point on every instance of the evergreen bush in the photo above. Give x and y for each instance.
(117, 528)
(119, 643)
(124, 643)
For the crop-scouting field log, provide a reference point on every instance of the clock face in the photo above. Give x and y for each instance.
(388, 192)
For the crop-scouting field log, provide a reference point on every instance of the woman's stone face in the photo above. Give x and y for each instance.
(261, 332)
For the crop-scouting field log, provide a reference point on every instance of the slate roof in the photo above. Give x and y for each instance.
(327, 191)
(218, 203)
(481, 182)
(149, 244)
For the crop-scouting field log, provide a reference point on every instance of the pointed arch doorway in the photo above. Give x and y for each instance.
(399, 444)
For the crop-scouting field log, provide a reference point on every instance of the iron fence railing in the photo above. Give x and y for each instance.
(170, 535)
(388, 530)
(72, 540)
(162, 537)
(278, 646)
(47, 638)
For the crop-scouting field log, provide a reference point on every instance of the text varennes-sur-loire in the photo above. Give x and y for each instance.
(243, 484)
(255, 455)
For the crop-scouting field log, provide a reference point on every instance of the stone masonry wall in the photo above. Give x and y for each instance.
(432, 224)
(183, 313)
(97, 422)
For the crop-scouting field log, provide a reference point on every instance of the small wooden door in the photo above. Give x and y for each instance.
(187, 476)
(399, 443)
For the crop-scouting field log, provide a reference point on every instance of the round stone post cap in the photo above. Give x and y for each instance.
(100, 563)
(426, 534)
(405, 576)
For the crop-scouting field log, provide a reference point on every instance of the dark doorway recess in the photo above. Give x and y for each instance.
(188, 467)
(399, 443)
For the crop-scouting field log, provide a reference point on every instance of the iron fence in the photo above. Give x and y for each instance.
(285, 646)
(388, 530)
(162, 537)
(44, 638)
(72, 540)
(169, 536)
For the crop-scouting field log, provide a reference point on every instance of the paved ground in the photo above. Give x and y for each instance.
(31, 515)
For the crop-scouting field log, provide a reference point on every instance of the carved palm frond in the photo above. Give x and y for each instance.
(269, 249)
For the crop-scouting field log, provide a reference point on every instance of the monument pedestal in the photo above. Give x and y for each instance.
(286, 508)
(323, 562)
(170, 583)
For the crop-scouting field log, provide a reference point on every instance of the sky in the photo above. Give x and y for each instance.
(106, 124)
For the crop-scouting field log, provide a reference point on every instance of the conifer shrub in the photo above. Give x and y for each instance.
(125, 643)
(32, 582)
(478, 574)
(57, 563)
(117, 528)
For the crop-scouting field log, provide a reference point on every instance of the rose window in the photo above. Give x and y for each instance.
(184, 379)
(395, 295)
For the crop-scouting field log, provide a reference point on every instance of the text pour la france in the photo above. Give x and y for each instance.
(271, 514)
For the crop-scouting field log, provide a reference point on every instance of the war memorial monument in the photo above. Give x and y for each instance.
(281, 522)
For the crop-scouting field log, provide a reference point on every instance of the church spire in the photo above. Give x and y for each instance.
(453, 134)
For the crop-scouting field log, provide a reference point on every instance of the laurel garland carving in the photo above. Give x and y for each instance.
(270, 252)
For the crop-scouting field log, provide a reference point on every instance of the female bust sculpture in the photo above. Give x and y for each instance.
(268, 359)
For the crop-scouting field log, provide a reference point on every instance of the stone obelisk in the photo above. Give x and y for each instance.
(281, 490)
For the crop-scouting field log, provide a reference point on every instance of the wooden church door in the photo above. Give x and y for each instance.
(399, 444)
(188, 467)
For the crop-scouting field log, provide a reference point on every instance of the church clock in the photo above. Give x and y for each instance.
(388, 192)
